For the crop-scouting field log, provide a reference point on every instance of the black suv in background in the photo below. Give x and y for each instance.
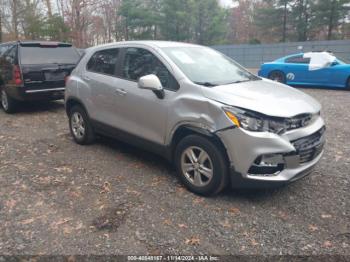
(34, 70)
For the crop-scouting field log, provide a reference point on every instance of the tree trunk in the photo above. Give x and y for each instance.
(330, 21)
(0, 26)
(306, 21)
(284, 32)
(49, 9)
(15, 18)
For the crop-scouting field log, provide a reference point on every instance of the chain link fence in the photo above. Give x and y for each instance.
(252, 56)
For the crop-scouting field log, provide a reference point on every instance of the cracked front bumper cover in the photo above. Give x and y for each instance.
(245, 147)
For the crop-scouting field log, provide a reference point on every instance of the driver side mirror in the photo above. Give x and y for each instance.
(152, 82)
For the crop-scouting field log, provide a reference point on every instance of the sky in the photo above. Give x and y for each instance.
(228, 3)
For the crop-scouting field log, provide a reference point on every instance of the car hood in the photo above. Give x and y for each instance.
(264, 96)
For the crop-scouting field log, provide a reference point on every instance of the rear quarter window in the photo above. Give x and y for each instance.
(297, 60)
(104, 62)
(30, 55)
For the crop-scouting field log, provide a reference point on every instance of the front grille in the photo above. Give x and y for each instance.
(311, 146)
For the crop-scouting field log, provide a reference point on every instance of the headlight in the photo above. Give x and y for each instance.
(252, 121)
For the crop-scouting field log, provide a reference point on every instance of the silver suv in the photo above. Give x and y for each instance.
(218, 123)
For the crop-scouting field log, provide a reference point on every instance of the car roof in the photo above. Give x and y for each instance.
(31, 42)
(150, 43)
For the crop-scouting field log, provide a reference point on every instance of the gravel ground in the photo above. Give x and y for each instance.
(57, 197)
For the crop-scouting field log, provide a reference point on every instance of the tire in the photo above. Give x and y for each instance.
(80, 126)
(8, 104)
(278, 76)
(212, 158)
(348, 84)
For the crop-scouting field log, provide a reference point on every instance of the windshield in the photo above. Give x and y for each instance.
(205, 66)
(48, 55)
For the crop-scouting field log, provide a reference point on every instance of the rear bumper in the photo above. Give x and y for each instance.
(22, 94)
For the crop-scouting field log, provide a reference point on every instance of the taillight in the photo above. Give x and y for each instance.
(17, 76)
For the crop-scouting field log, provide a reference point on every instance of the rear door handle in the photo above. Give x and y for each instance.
(120, 91)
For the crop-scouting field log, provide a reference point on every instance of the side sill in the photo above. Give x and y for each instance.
(115, 133)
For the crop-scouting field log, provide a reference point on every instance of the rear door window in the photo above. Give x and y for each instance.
(104, 61)
(34, 55)
(11, 55)
(139, 62)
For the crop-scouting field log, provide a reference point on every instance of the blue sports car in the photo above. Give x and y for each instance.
(299, 70)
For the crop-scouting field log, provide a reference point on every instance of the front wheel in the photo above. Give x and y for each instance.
(277, 76)
(348, 84)
(201, 165)
(80, 126)
(7, 102)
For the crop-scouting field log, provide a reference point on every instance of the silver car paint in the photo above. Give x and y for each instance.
(266, 96)
(141, 113)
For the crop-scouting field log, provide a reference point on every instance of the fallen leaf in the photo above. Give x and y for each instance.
(327, 244)
(27, 221)
(225, 223)
(10, 203)
(198, 200)
(71, 259)
(67, 230)
(242, 248)
(79, 226)
(182, 226)
(74, 194)
(106, 188)
(167, 222)
(254, 242)
(192, 241)
(313, 228)
(157, 180)
(60, 222)
(180, 189)
(133, 192)
(39, 203)
(63, 221)
(63, 169)
(234, 210)
(326, 216)
(282, 215)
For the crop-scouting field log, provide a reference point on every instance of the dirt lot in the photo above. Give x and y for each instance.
(57, 197)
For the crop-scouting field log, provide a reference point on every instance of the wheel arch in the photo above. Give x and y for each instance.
(186, 129)
(73, 101)
(276, 70)
(347, 83)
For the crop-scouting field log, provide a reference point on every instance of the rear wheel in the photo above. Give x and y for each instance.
(277, 76)
(201, 165)
(80, 126)
(7, 102)
(348, 84)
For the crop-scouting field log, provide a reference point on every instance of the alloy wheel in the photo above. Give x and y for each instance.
(197, 166)
(78, 125)
(4, 100)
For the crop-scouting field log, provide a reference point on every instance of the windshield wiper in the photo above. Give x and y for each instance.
(239, 81)
(209, 84)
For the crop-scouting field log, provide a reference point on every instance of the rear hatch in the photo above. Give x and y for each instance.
(45, 65)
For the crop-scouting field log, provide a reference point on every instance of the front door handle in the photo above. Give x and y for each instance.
(120, 91)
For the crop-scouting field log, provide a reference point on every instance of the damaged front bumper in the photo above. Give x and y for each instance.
(260, 159)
